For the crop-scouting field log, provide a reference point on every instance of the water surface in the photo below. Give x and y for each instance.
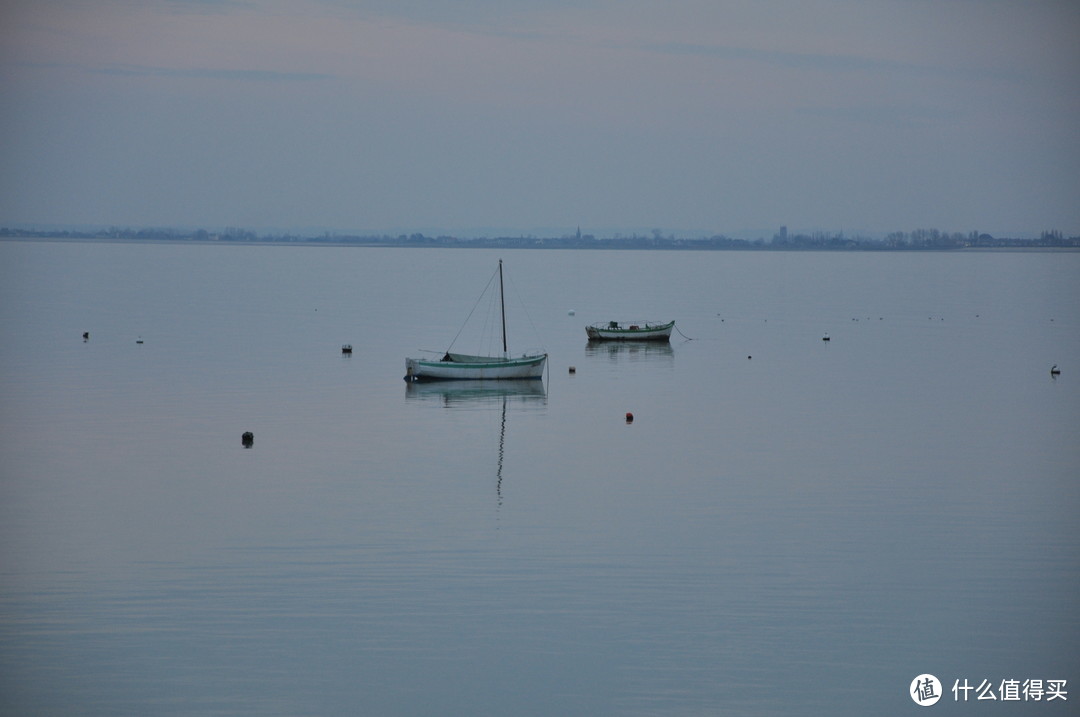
(789, 525)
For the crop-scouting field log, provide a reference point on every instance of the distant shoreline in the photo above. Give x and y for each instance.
(627, 244)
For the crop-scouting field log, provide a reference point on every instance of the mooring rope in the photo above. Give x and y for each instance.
(683, 335)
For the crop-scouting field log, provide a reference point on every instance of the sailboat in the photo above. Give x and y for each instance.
(457, 367)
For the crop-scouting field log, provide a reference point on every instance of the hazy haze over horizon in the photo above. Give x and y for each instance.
(513, 117)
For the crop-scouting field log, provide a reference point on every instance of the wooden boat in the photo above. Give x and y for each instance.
(457, 367)
(636, 331)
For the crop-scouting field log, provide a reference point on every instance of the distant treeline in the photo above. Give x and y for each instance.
(919, 239)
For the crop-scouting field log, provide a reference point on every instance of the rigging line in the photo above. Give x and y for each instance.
(525, 309)
(488, 340)
(479, 298)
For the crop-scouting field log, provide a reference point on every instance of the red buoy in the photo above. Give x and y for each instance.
(629, 417)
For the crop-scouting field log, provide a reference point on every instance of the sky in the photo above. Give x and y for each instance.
(536, 117)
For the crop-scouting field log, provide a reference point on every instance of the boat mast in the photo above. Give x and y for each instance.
(502, 306)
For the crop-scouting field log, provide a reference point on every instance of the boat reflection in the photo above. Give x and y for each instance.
(630, 350)
(463, 394)
(484, 395)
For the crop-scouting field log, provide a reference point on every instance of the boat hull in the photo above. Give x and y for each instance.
(459, 367)
(634, 332)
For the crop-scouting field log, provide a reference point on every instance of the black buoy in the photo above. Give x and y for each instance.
(85, 335)
(573, 369)
(1054, 370)
(346, 349)
(248, 439)
(825, 338)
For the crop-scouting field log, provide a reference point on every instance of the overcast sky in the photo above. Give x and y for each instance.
(479, 117)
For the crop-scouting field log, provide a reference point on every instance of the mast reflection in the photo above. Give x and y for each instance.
(482, 395)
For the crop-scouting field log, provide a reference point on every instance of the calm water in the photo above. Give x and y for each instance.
(789, 526)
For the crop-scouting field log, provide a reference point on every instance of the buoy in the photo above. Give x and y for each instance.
(138, 341)
(573, 370)
(85, 335)
(629, 417)
(749, 357)
(346, 349)
(1054, 370)
(825, 338)
(248, 439)
(571, 312)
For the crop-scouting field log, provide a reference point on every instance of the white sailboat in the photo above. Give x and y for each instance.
(456, 366)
